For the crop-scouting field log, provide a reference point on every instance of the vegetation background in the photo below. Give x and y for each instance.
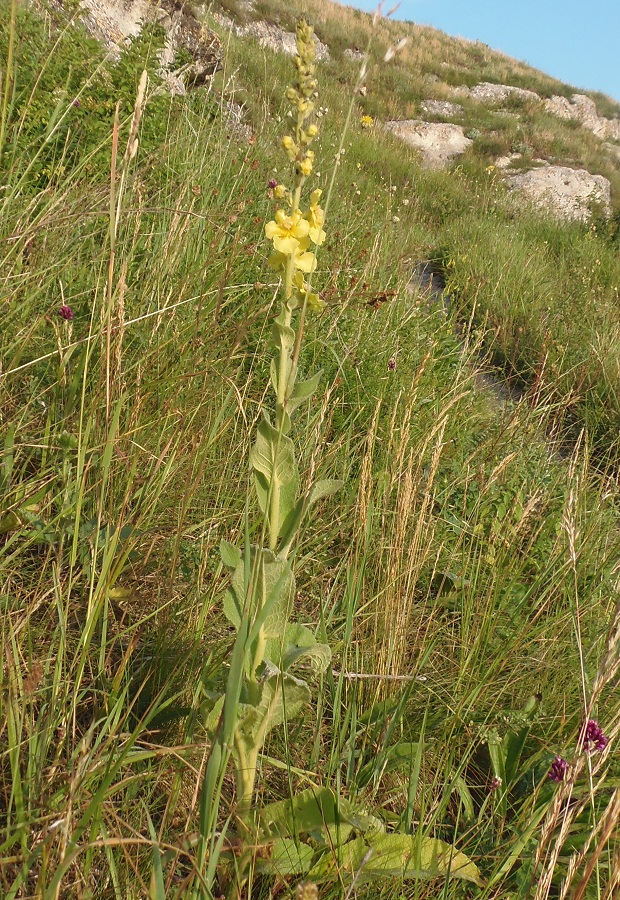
(465, 577)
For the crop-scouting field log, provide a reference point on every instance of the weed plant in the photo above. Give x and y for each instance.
(465, 576)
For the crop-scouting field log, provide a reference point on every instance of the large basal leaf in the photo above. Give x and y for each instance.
(319, 813)
(399, 856)
(285, 857)
(297, 643)
(273, 593)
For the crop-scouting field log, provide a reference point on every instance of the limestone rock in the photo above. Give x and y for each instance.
(583, 109)
(354, 54)
(438, 142)
(442, 108)
(115, 22)
(498, 93)
(566, 192)
(274, 38)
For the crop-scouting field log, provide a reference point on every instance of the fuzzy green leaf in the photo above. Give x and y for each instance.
(296, 643)
(287, 857)
(282, 698)
(302, 391)
(230, 555)
(274, 588)
(317, 812)
(398, 856)
(275, 468)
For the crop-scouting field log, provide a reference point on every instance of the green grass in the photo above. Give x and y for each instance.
(472, 549)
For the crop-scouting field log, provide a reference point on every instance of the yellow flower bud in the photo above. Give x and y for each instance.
(306, 166)
(312, 131)
(280, 192)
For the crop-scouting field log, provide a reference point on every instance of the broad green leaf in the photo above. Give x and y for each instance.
(317, 812)
(282, 698)
(302, 391)
(286, 857)
(398, 856)
(273, 593)
(282, 335)
(230, 555)
(297, 643)
(273, 459)
(321, 489)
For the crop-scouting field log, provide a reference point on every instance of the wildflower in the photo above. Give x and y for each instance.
(280, 192)
(558, 770)
(65, 312)
(592, 737)
(496, 783)
(287, 232)
(315, 216)
(367, 122)
(395, 220)
(273, 183)
(392, 363)
(307, 890)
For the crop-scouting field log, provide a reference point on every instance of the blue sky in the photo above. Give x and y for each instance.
(577, 41)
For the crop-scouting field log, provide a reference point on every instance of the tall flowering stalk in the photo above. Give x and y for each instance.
(262, 692)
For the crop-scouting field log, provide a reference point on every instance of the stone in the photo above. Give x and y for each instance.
(583, 109)
(498, 93)
(272, 37)
(116, 22)
(442, 108)
(566, 193)
(438, 142)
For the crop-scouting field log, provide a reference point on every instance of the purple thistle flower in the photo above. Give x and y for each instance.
(65, 312)
(392, 363)
(592, 737)
(558, 770)
(272, 183)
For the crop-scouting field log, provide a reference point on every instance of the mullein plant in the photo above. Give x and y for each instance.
(262, 691)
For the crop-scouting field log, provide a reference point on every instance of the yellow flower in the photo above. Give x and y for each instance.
(288, 232)
(316, 217)
(280, 192)
(367, 122)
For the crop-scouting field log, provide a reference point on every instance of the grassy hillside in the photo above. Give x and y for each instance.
(464, 575)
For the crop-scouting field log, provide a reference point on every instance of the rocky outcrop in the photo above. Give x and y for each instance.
(115, 22)
(494, 94)
(567, 193)
(438, 142)
(583, 109)
(442, 108)
(271, 36)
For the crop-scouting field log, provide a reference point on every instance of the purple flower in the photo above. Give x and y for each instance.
(65, 312)
(496, 783)
(272, 183)
(558, 770)
(592, 737)
(76, 102)
(392, 363)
